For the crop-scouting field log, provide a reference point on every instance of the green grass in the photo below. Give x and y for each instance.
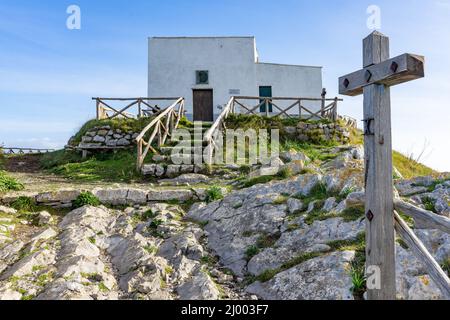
(270, 273)
(8, 183)
(410, 168)
(251, 252)
(214, 193)
(244, 121)
(258, 180)
(22, 204)
(429, 204)
(84, 199)
(109, 167)
(315, 152)
(349, 214)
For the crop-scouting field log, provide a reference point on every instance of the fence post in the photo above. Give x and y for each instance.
(267, 106)
(98, 108)
(335, 113)
(139, 109)
(322, 107)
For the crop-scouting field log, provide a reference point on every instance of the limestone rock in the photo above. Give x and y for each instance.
(7, 210)
(322, 278)
(200, 287)
(45, 218)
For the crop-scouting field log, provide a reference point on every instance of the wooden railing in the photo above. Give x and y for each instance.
(163, 126)
(14, 150)
(140, 107)
(431, 220)
(295, 108)
(327, 111)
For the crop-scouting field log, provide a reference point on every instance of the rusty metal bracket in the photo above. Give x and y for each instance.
(368, 126)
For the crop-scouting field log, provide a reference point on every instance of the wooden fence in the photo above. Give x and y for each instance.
(328, 110)
(431, 220)
(163, 126)
(271, 107)
(134, 108)
(14, 150)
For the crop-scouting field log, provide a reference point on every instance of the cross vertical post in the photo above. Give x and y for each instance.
(380, 235)
(379, 73)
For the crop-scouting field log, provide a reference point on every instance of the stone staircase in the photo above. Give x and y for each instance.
(173, 161)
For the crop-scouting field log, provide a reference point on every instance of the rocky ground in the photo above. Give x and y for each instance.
(297, 238)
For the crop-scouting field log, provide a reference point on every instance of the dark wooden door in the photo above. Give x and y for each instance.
(203, 105)
(266, 92)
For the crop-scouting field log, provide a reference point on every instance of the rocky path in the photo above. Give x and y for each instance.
(99, 253)
(297, 238)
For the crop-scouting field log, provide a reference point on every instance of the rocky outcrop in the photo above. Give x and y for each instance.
(103, 254)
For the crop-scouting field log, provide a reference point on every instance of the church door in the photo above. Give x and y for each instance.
(265, 91)
(203, 105)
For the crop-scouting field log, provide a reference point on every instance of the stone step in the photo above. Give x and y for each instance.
(168, 150)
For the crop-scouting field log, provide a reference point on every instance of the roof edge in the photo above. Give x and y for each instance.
(289, 65)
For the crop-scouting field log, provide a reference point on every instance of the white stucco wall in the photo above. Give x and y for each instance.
(291, 81)
(232, 64)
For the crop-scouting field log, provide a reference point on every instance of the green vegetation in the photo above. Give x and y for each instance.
(315, 152)
(22, 204)
(349, 214)
(429, 204)
(357, 267)
(8, 183)
(244, 121)
(111, 167)
(251, 252)
(270, 273)
(214, 193)
(446, 266)
(258, 180)
(263, 241)
(85, 199)
(410, 168)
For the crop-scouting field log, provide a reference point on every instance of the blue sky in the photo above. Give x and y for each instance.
(48, 73)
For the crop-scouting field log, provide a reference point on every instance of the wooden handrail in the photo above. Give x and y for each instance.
(431, 219)
(435, 272)
(160, 129)
(159, 117)
(106, 111)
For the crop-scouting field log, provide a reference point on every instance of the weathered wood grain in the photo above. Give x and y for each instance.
(435, 272)
(409, 67)
(380, 235)
(427, 218)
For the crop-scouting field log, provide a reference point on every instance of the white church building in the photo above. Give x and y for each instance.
(207, 71)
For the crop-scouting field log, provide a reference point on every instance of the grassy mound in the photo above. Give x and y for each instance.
(410, 168)
(110, 167)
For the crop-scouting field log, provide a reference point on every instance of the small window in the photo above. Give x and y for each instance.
(202, 77)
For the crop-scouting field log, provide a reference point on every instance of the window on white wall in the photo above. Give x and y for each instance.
(202, 77)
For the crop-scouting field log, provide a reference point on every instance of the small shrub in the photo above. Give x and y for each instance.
(285, 173)
(156, 223)
(429, 204)
(213, 194)
(23, 204)
(86, 199)
(251, 252)
(8, 183)
(149, 214)
(358, 281)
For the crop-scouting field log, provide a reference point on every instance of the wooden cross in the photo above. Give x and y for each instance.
(378, 74)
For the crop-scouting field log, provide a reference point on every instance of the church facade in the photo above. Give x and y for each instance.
(207, 71)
